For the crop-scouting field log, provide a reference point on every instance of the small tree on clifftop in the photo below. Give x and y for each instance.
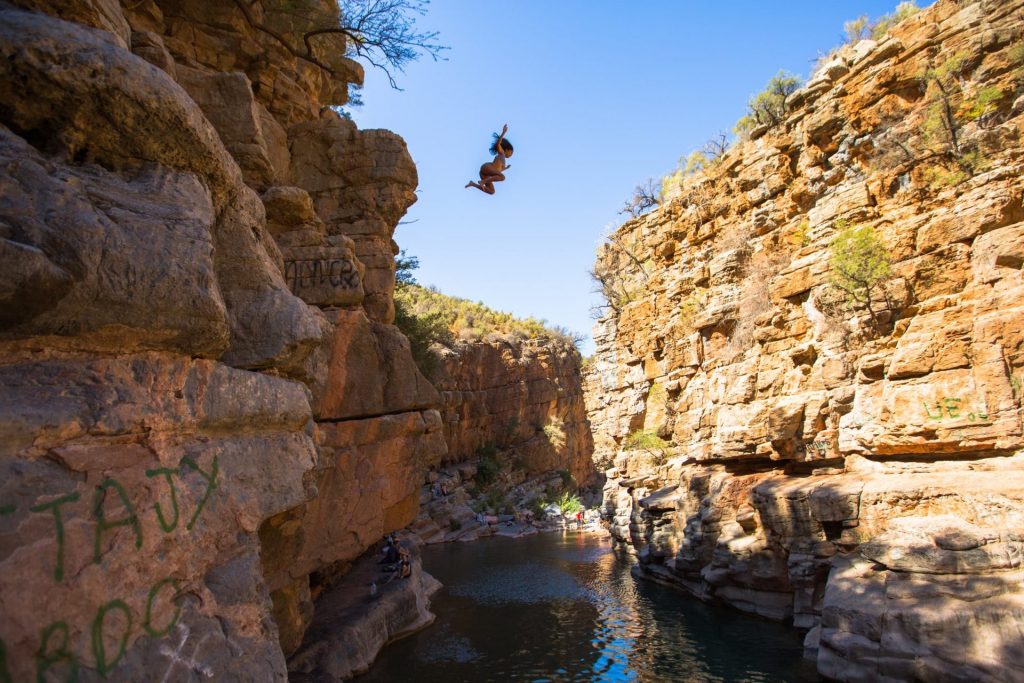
(646, 196)
(770, 106)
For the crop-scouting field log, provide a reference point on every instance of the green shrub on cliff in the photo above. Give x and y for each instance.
(488, 468)
(860, 265)
(862, 28)
(770, 106)
(567, 478)
(904, 10)
(645, 440)
(554, 431)
(569, 504)
(423, 329)
(468, 320)
(428, 317)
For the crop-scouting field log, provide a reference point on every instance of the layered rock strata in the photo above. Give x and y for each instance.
(516, 431)
(854, 470)
(206, 416)
(504, 392)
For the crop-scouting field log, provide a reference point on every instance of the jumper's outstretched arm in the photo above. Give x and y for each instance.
(497, 145)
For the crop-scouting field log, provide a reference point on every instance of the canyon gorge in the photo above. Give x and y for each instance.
(209, 418)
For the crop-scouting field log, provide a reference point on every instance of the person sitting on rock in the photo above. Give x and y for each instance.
(391, 554)
(405, 568)
(494, 171)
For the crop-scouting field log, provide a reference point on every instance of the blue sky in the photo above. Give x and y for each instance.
(599, 96)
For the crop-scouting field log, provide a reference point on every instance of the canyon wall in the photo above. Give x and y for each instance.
(516, 429)
(205, 413)
(503, 392)
(851, 467)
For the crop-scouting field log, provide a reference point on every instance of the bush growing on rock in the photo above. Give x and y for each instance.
(487, 469)
(428, 317)
(554, 431)
(860, 265)
(497, 501)
(567, 478)
(646, 440)
(511, 428)
(383, 33)
(646, 196)
(954, 101)
(618, 271)
(470, 320)
(769, 107)
(862, 28)
(569, 503)
(883, 24)
(689, 165)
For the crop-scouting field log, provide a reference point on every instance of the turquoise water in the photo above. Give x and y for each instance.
(559, 607)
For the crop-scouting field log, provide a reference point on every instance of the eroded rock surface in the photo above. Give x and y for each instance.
(203, 402)
(856, 472)
(504, 392)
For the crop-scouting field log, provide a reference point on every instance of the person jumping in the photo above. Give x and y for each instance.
(493, 171)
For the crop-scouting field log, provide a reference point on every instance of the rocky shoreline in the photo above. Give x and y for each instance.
(351, 626)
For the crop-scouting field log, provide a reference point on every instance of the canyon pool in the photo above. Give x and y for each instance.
(564, 607)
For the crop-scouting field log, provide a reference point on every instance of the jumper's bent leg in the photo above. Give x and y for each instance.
(483, 186)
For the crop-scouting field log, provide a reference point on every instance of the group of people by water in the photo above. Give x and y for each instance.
(395, 562)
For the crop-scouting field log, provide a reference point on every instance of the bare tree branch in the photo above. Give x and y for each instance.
(380, 32)
(716, 146)
(645, 196)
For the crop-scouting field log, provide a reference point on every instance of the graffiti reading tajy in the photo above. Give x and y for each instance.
(113, 621)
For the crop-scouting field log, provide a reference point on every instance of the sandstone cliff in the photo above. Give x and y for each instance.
(205, 414)
(504, 392)
(517, 434)
(855, 471)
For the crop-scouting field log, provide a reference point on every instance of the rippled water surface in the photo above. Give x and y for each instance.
(565, 608)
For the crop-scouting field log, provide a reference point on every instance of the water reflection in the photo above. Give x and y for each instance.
(565, 608)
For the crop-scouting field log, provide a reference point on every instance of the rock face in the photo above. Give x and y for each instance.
(855, 471)
(505, 392)
(203, 404)
(515, 427)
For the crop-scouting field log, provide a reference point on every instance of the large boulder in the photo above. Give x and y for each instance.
(122, 126)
